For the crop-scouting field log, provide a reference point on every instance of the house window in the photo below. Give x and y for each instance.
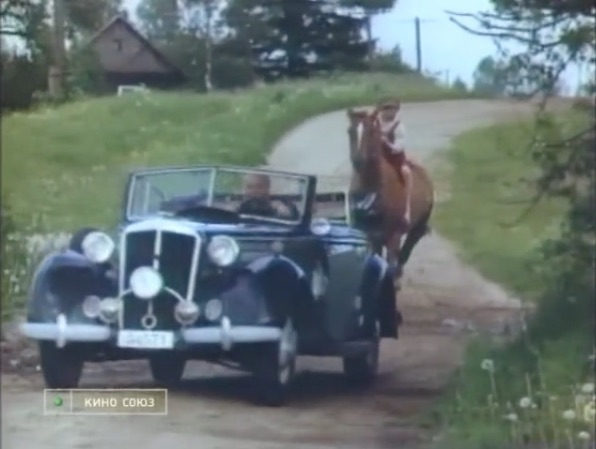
(118, 44)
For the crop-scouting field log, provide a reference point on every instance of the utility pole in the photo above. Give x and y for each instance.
(418, 46)
(369, 39)
(57, 72)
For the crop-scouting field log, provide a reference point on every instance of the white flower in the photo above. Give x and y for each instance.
(590, 412)
(588, 388)
(583, 435)
(569, 415)
(512, 417)
(525, 402)
(487, 365)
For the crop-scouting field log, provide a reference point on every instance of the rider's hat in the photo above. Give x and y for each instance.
(390, 102)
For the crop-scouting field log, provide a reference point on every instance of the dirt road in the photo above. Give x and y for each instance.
(442, 301)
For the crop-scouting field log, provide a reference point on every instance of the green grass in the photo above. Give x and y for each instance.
(487, 177)
(64, 167)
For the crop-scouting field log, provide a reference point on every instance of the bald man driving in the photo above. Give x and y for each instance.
(257, 200)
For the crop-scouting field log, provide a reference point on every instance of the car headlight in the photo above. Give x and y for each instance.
(146, 282)
(98, 247)
(223, 251)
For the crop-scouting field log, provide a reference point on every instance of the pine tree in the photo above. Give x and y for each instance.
(295, 38)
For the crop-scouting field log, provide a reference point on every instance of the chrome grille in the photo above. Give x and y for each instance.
(175, 255)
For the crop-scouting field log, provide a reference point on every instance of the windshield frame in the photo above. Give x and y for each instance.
(303, 205)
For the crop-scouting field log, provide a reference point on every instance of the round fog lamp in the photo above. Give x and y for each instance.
(146, 282)
(186, 312)
(91, 306)
(213, 309)
(109, 308)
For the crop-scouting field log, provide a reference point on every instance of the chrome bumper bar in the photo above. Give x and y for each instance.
(225, 334)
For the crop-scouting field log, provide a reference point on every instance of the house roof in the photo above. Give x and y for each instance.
(148, 45)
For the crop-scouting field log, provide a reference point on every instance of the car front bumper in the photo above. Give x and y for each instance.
(225, 334)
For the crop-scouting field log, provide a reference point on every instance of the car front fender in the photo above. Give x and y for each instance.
(379, 295)
(285, 286)
(61, 282)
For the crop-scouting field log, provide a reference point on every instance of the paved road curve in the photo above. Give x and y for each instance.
(212, 410)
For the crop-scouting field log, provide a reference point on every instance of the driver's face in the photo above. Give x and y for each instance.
(256, 186)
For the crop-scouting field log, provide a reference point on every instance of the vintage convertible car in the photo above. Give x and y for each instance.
(244, 267)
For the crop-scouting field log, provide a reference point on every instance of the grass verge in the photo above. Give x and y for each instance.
(528, 393)
(487, 211)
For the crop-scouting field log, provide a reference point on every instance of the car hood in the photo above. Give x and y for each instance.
(237, 229)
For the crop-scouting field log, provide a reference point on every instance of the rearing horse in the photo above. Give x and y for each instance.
(374, 178)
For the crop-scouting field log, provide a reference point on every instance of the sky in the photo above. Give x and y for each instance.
(446, 49)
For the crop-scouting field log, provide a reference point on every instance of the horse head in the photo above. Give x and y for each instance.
(365, 152)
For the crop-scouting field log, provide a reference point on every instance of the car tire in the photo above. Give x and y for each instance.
(362, 369)
(61, 367)
(275, 368)
(167, 369)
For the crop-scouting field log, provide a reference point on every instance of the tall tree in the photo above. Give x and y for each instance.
(491, 76)
(297, 37)
(189, 31)
(22, 18)
(88, 16)
(160, 20)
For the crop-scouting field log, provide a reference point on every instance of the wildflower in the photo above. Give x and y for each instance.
(569, 415)
(512, 417)
(487, 365)
(588, 388)
(583, 435)
(590, 412)
(525, 402)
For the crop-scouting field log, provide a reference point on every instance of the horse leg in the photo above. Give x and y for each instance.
(392, 250)
(419, 230)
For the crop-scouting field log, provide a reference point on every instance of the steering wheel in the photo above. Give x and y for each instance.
(265, 207)
(294, 213)
(256, 206)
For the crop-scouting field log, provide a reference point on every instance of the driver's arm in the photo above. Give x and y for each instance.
(281, 209)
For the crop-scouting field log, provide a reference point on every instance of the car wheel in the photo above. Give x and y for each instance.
(61, 367)
(276, 367)
(167, 369)
(362, 369)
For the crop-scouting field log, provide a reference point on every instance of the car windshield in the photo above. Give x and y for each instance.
(249, 192)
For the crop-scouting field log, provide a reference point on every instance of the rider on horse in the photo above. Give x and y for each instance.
(393, 134)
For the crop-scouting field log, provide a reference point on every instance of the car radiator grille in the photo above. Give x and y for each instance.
(175, 265)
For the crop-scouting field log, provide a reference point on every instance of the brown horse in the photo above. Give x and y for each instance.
(375, 179)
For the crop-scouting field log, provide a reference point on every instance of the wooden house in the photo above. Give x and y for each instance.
(128, 58)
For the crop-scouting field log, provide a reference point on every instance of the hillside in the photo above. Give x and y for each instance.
(64, 167)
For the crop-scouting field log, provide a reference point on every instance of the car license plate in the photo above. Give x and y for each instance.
(145, 339)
